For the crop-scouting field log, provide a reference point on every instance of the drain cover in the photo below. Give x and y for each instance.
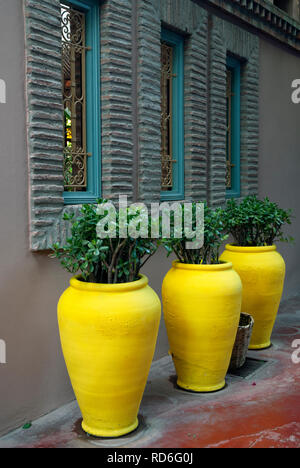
(250, 367)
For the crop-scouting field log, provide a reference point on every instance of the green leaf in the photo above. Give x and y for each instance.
(27, 426)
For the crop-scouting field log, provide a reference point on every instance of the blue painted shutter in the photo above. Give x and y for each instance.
(177, 43)
(235, 67)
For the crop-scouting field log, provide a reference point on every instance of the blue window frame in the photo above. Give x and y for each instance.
(233, 137)
(172, 116)
(91, 116)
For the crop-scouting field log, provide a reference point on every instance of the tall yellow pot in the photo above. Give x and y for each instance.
(262, 271)
(108, 335)
(202, 306)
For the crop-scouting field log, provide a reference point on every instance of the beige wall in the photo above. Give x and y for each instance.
(34, 380)
(279, 168)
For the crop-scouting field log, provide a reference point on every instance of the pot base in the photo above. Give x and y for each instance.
(109, 434)
(200, 389)
(262, 346)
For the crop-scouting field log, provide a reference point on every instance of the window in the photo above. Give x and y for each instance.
(172, 116)
(81, 100)
(233, 136)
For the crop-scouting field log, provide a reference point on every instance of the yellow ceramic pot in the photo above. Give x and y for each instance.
(202, 306)
(262, 271)
(108, 335)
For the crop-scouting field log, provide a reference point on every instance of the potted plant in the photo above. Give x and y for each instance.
(202, 305)
(255, 226)
(108, 320)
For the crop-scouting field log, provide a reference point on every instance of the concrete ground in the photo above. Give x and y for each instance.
(260, 409)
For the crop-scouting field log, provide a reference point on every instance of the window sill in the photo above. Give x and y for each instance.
(171, 196)
(233, 194)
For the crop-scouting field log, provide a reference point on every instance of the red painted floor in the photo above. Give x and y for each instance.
(260, 411)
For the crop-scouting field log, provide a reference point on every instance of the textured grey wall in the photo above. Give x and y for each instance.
(279, 166)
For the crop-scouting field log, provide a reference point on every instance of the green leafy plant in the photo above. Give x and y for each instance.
(108, 260)
(213, 239)
(256, 223)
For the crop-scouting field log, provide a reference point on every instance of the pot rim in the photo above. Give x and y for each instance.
(190, 266)
(109, 288)
(262, 249)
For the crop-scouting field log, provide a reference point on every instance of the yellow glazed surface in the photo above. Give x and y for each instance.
(202, 306)
(108, 335)
(262, 271)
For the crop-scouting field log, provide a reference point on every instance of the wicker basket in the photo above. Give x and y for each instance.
(239, 354)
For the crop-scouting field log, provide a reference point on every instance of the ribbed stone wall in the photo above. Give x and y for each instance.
(130, 105)
(149, 109)
(44, 118)
(116, 98)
